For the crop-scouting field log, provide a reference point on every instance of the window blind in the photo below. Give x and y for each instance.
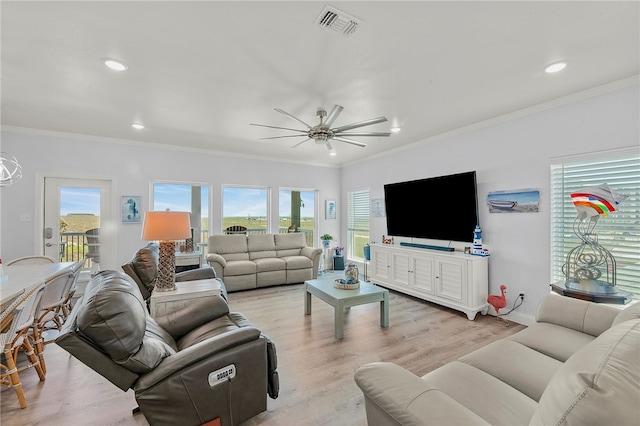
(357, 222)
(619, 232)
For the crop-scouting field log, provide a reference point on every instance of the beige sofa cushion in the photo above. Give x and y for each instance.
(552, 340)
(629, 313)
(598, 385)
(488, 397)
(289, 244)
(231, 247)
(590, 318)
(526, 370)
(261, 246)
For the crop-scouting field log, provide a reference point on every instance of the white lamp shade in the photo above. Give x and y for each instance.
(166, 226)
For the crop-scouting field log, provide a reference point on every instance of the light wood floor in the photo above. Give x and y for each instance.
(316, 370)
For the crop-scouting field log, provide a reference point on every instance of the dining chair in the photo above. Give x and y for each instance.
(18, 338)
(67, 305)
(49, 315)
(93, 248)
(32, 260)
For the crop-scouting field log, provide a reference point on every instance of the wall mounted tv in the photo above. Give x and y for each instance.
(438, 208)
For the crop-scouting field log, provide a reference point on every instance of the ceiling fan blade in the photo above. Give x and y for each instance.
(292, 117)
(379, 134)
(359, 124)
(356, 143)
(300, 143)
(280, 137)
(279, 128)
(328, 145)
(335, 112)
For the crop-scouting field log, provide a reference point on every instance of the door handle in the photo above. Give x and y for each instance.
(48, 244)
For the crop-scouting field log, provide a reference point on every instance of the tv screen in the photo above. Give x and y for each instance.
(438, 208)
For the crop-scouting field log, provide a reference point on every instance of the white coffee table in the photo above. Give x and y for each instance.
(324, 290)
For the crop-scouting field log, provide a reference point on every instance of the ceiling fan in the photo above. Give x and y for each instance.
(323, 133)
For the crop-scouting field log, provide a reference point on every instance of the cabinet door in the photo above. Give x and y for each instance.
(451, 279)
(400, 269)
(380, 264)
(423, 274)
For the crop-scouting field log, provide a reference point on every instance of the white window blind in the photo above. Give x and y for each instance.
(357, 223)
(619, 232)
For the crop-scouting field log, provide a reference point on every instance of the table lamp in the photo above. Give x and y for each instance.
(166, 227)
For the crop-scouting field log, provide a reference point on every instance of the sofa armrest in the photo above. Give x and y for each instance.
(394, 395)
(202, 311)
(193, 355)
(204, 273)
(580, 315)
(310, 252)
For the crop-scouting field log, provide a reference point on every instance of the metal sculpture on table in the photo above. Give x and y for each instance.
(590, 267)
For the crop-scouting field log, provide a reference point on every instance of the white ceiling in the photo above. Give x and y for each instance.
(200, 72)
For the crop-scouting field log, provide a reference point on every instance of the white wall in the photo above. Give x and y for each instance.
(133, 167)
(511, 155)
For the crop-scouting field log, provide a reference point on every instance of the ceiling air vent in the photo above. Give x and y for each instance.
(336, 20)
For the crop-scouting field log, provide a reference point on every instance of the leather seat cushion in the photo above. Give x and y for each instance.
(114, 316)
(298, 262)
(270, 264)
(240, 267)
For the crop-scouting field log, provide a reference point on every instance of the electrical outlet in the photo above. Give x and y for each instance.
(521, 295)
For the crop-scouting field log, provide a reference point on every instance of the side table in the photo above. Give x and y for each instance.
(186, 261)
(166, 302)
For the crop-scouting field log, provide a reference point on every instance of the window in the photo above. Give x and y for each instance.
(619, 232)
(185, 197)
(297, 213)
(357, 223)
(245, 207)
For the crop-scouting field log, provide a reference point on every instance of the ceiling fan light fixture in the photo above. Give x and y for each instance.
(137, 126)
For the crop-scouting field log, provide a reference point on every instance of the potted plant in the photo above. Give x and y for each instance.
(367, 252)
(326, 240)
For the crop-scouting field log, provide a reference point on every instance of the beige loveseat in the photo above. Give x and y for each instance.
(579, 364)
(260, 260)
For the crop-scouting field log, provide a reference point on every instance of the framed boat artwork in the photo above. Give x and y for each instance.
(518, 201)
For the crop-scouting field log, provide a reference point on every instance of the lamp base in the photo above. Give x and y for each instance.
(166, 280)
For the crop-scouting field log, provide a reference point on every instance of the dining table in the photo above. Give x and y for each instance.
(16, 279)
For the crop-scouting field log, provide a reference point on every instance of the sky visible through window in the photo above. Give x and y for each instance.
(238, 201)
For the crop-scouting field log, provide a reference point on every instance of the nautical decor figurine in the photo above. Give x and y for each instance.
(477, 240)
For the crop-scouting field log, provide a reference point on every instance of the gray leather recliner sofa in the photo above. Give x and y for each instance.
(579, 364)
(189, 367)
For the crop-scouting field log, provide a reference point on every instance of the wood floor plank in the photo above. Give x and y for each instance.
(316, 370)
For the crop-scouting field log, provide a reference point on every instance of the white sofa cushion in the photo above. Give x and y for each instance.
(598, 385)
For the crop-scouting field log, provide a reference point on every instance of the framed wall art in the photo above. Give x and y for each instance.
(130, 208)
(330, 209)
(518, 201)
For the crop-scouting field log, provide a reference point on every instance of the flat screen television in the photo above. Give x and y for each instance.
(438, 208)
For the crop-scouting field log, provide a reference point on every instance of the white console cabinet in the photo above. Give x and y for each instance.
(452, 279)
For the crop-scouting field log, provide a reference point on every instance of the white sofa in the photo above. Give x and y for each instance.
(579, 364)
(260, 260)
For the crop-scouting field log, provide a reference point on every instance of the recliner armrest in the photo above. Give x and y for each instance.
(216, 258)
(202, 311)
(200, 352)
(203, 273)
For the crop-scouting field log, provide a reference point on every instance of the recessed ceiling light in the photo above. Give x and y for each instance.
(137, 126)
(395, 129)
(558, 66)
(115, 65)
(332, 153)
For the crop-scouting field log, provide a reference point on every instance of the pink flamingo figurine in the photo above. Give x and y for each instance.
(498, 302)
